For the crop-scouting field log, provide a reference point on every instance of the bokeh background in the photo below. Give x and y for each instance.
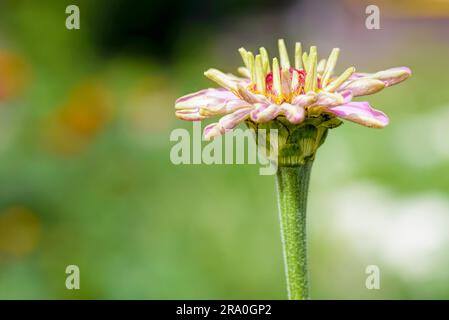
(86, 178)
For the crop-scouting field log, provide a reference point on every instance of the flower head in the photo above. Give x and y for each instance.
(304, 90)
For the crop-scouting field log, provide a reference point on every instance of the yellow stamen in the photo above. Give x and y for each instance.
(243, 53)
(277, 85)
(251, 68)
(298, 56)
(260, 75)
(244, 72)
(265, 60)
(221, 79)
(321, 65)
(285, 77)
(305, 57)
(313, 53)
(283, 55)
(339, 81)
(295, 86)
(312, 50)
(310, 80)
(330, 65)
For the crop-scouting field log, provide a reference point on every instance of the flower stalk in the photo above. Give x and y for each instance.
(292, 188)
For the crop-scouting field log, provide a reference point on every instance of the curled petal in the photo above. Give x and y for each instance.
(389, 77)
(244, 72)
(393, 76)
(304, 100)
(227, 81)
(250, 97)
(358, 75)
(212, 130)
(329, 99)
(223, 108)
(347, 96)
(207, 103)
(226, 123)
(238, 80)
(361, 113)
(264, 113)
(363, 86)
(294, 113)
(189, 115)
(204, 98)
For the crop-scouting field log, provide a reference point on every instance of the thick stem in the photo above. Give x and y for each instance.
(292, 188)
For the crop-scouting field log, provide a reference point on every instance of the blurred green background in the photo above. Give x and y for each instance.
(86, 178)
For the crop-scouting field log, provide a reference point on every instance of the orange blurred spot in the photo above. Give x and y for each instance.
(13, 75)
(407, 8)
(19, 231)
(85, 113)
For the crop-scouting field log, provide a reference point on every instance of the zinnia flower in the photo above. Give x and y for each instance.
(308, 89)
(300, 101)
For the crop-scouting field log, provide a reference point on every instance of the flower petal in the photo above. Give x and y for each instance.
(226, 123)
(393, 76)
(361, 113)
(389, 77)
(304, 100)
(238, 80)
(212, 130)
(363, 86)
(223, 108)
(204, 98)
(264, 113)
(294, 113)
(244, 72)
(329, 99)
(250, 97)
(189, 115)
(209, 102)
(227, 81)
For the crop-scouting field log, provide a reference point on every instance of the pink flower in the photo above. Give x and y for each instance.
(307, 89)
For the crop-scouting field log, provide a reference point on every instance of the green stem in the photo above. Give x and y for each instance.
(292, 187)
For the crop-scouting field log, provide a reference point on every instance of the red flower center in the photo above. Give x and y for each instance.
(269, 78)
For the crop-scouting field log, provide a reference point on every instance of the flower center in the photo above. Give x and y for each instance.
(290, 87)
(269, 78)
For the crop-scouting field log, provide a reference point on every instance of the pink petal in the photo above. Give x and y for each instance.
(264, 113)
(329, 99)
(361, 113)
(304, 100)
(363, 86)
(389, 77)
(203, 98)
(223, 108)
(226, 123)
(189, 115)
(294, 113)
(347, 96)
(242, 81)
(212, 130)
(393, 76)
(251, 98)
(211, 102)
